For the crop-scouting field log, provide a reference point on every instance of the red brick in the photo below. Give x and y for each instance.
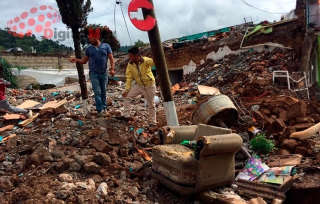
(101, 145)
(283, 115)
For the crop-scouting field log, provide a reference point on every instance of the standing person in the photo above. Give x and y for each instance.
(97, 54)
(139, 69)
(5, 105)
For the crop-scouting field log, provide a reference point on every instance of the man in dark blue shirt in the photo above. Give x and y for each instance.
(97, 55)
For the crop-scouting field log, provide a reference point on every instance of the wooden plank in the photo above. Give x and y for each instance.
(26, 122)
(28, 104)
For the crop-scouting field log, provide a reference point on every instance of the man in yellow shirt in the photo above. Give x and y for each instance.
(139, 69)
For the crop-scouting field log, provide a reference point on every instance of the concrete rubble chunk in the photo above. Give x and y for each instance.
(91, 168)
(101, 145)
(89, 184)
(103, 189)
(65, 178)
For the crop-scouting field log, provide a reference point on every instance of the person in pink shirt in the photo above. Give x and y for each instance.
(4, 104)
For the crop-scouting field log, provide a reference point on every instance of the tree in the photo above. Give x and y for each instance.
(74, 14)
(139, 43)
(106, 36)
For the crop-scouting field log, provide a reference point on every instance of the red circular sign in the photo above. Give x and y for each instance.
(149, 22)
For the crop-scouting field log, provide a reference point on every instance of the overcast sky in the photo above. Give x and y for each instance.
(176, 18)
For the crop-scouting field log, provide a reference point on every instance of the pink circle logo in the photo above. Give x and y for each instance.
(34, 21)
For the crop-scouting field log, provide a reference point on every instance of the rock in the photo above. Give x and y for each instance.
(101, 145)
(89, 184)
(124, 151)
(289, 144)
(80, 199)
(74, 166)
(283, 115)
(38, 157)
(84, 159)
(64, 164)
(68, 186)
(62, 194)
(102, 159)
(132, 191)
(103, 189)
(65, 178)
(60, 109)
(278, 125)
(91, 168)
(283, 152)
(115, 139)
(57, 154)
(7, 183)
(297, 108)
(301, 150)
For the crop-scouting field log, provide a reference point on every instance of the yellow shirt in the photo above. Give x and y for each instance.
(141, 74)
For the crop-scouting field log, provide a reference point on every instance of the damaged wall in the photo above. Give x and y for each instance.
(35, 60)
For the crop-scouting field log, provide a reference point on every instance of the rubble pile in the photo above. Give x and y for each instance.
(60, 156)
(63, 157)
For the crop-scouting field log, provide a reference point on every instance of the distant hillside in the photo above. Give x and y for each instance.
(41, 46)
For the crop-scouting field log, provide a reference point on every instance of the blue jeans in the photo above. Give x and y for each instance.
(99, 86)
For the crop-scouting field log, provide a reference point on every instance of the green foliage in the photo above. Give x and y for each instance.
(7, 73)
(8, 40)
(140, 43)
(106, 36)
(261, 145)
(74, 13)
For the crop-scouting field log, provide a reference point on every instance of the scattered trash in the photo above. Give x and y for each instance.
(188, 143)
(80, 122)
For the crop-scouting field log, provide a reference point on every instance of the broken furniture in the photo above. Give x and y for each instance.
(217, 110)
(296, 81)
(187, 170)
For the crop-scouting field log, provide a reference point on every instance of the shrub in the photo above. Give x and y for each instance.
(261, 145)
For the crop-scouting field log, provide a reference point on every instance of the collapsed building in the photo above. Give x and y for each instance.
(268, 72)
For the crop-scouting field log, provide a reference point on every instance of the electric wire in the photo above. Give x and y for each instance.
(259, 9)
(114, 17)
(125, 23)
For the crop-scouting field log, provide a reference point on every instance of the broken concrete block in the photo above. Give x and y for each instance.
(102, 159)
(91, 168)
(297, 109)
(103, 189)
(101, 145)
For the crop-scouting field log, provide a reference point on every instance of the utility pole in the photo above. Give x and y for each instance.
(161, 68)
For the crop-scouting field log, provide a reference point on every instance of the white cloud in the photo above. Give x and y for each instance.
(176, 18)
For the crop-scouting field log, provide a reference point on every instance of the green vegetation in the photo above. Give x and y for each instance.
(106, 36)
(261, 145)
(7, 73)
(140, 43)
(44, 45)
